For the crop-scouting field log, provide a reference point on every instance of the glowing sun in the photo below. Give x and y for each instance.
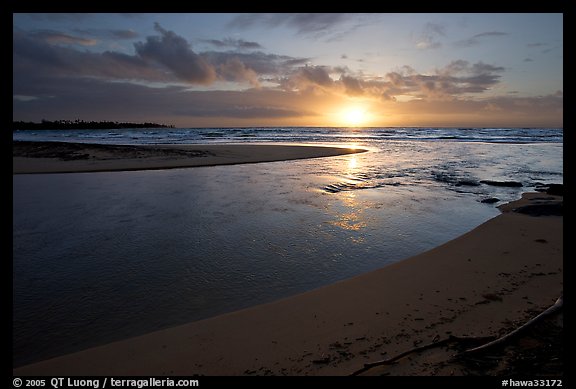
(354, 117)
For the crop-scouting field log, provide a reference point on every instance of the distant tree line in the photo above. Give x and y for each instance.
(82, 125)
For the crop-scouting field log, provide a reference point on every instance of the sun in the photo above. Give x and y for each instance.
(354, 117)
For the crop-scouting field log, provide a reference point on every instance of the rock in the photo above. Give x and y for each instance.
(554, 209)
(555, 189)
(467, 183)
(511, 184)
(490, 200)
(551, 189)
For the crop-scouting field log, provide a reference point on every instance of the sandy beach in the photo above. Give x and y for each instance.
(61, 157)
(482, 284)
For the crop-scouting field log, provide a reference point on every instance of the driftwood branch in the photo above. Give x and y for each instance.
(436, 343)
(389, 361)
(552, 309)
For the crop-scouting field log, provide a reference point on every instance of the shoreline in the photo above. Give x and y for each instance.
(480, 284)
(64, 157)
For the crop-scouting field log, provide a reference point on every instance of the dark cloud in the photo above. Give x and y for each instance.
(55, 16)
(514, 111)
(546, 47)
(546, 104)
(84, 37)
(259, 62)
(341, 70)
(288, 61)
(175, 53)
(166, 57)
(478, 38)
(490, 33)
(124, 34)
(318, 75)
(528, 60)
(59, 38)
(233, 43)
(109, 33)
(34, 57)
(124, 101)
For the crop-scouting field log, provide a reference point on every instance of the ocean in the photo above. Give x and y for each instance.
(295, 134)
(99, 257)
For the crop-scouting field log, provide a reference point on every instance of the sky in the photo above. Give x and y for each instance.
(319, 69)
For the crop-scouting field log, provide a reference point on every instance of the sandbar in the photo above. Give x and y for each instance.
(65, 157)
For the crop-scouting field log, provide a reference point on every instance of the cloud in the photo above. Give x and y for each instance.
(169, 58)
(490, 33)
(34, 57)
(124, 101)
(261, 63)
(303, 22)
(544, 111)
(309, 78)
(352, 85)
(329, 25)
(314, 22)
(244, 111)
(59, 38)
(175, 53)
(528, 60)
(478, 38)
(317, 75)
(116, 34)
(78, 97)
(166, 57)
(235, 70)
(24, 98)
(427, 39)
(55, 16)
(454, 80)
(457, 78)
(528, 106)
(234, 43)
(124, 34)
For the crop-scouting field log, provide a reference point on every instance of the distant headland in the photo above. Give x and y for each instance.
(81, 125)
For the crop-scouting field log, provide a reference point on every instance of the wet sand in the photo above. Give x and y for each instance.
(481, 284)
(61, 157)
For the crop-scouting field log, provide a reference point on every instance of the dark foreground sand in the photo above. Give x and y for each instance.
(483, 283)
(61, 157)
